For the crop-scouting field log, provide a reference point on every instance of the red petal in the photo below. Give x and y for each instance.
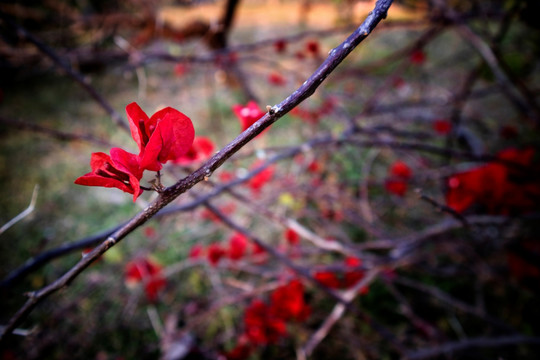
(136, 117)
(172, 138)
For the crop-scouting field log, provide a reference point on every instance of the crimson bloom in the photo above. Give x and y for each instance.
(120, 170)
(313, 47)
(352, 277)
(237, 246)
(257, 182)
(287, 302)
(215, 252)
(328, 279)
(166, 135)
(248, 114)
(442, 126)
(200, 150)
(397, 182)
(495, 187)
(263, 327)
(196, 252)
(418, 57)
(292, 236)
(146, 271)
(280, 45)
(277, 79)
(400, 169)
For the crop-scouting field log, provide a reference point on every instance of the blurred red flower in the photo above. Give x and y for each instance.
(313, 48)
(397, 187)
(201, 149)
(180, 69)
(120, 170)
(352, 277)
(328, 279)
(292, 237)
(196, 251)
(287, 302)
(149, 273)
(166, 135)
(397, 182)
(214, 253)
(237, 246)
(248, 114)
(497, 188)
(277, 79)
(401, 170)
(442, 126)
(280, 45)
(262, 326)
(418, 57)
(257, 182)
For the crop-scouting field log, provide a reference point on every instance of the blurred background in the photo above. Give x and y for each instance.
(417, 157)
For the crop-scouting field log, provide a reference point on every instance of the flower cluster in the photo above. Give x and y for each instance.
(149, 273)
(498, 187)
(399, 175)
(166, 135)
(236, 249)
(266, 323)
(348, 279)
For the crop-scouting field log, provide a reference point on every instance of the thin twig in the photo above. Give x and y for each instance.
(24, 213)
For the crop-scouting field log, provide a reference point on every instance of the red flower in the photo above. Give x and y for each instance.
(237, 246)
(120, 170)
(312, 47)
(150, 232)
(180, 69)
(328, 279)
(496, 187)
(287, 302)
(146, 271)
(292, 237)
(196, 252)
(401, 170)
(280, 46)
(248, 114)
(240, 352)
(276, 79)
(352, 277)
(226, 176)
(397, 187)
(263, 327)
(165, 136)
(442, 126)
(261, 178)
(200, 150)
(215, 252)
(418, 57)
(397, 182)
